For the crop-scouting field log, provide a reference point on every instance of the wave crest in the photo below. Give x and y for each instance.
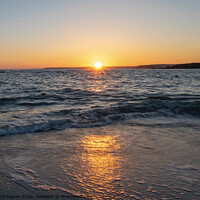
(62, 119)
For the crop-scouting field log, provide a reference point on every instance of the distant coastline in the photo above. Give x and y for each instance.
(170, 66)
(154, 66)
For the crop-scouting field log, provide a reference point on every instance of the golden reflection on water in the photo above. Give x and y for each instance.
(101, 166)
(98, 84)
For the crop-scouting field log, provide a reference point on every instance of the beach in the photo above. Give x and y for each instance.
(114, 162)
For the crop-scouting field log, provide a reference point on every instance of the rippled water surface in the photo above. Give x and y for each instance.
(39, 100)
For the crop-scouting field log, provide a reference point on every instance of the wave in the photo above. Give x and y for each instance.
(7, 100)
(57, 95)
(36, 103)
(67, 118)
(34, 127)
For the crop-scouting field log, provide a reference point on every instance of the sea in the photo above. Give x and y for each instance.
(102, 134)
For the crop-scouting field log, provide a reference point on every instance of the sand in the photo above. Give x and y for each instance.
(122, 161)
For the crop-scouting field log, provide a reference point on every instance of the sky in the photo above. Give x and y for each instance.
(70, 33)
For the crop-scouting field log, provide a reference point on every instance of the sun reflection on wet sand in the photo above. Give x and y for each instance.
(101, 165)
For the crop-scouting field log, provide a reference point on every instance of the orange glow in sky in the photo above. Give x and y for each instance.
(37, 34)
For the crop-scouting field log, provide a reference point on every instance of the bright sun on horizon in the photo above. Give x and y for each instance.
(98, 65)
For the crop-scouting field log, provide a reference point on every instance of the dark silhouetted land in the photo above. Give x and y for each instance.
(154, 66)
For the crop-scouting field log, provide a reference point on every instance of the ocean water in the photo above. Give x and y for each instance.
(111, 134)
(41, 100)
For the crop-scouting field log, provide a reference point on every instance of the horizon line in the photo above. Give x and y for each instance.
(106, 66)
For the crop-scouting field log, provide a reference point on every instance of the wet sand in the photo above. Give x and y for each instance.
(11, 189)
(123, 161)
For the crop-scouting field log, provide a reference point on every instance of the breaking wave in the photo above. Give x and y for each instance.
(152, 107)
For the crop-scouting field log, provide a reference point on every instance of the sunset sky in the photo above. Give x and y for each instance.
(62, 33)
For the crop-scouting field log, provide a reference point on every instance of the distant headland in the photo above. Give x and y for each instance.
(154, 66)
(170, 66)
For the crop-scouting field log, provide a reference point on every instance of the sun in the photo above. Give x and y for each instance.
(98, 65)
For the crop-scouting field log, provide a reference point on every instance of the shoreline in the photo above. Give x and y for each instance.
(117, 161)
